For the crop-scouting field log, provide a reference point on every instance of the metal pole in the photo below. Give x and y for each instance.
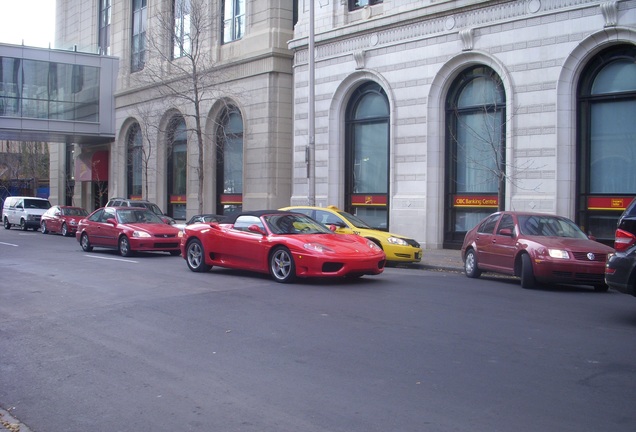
(311, 193)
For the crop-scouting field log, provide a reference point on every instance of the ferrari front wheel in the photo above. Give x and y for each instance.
(281, 265)
(195, 257)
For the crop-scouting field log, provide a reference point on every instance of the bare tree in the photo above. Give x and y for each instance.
(25, 160)
(480, 139)
(183, 70)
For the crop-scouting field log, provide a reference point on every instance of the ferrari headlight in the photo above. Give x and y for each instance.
(558, 253)
(397, 241)
(373, 246)
(141, 234)
(317, 247)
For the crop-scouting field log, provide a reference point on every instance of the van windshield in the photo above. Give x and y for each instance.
(36, 204)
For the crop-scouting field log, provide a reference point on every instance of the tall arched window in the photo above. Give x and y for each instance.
(367, 155)
(475, 150)
(134, 162)
(177, 168)
(229, 161)
(607, 140)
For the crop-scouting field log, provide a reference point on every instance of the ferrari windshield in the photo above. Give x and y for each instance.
(549, 226)
(294, 224)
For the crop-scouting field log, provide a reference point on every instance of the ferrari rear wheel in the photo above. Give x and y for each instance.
(64, 231)
(43, 228)
(195, 257)
(281, 265)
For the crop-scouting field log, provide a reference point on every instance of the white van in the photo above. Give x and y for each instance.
(24, 211)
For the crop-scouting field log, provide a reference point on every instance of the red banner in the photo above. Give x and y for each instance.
(231, 199)
(475, 201)
(177, 199)
(608, 203)
(368, 200)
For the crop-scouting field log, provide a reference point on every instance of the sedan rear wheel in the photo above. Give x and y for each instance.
(124, 246)
(281, 265)
(527, 274)
(470, 264)
(195, 257)
(43, 228)
(85, 243)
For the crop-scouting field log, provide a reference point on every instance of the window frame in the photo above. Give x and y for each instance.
(138, 29)
(237, 22)
(353, 4)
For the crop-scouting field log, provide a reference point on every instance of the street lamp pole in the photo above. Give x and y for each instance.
(311, 149)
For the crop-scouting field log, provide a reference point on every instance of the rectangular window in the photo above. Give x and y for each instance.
(181, 42)
(138, 46)
(359, 4)
(104, 26)
(233, 20)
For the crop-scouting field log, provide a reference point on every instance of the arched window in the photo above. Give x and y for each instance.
(607, 140)
(134, 162)
(367, 155)
(475, 150)
(229, 161)
(177, 168)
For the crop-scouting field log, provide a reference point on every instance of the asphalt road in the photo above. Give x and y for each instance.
(95, 342)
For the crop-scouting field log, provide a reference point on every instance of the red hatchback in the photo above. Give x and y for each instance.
(536, 247)
(284, 244)
(62, 219)
(127, 229)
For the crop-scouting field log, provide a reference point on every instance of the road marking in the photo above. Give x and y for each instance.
(112, 259)
(9, 244)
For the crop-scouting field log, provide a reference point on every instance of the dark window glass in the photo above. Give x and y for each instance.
(138, 46)
(177, 169)
(357, 4)
(135, 162)
(229, 159)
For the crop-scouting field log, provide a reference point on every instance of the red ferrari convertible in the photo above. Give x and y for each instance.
(284, 244)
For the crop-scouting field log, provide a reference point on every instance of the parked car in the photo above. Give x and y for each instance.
(396, 247)
(24, 212)
(127, 229)
(620, 269)
(126, 202)
(200, 218)
(536, 247)
(284, 244)
(62, 219)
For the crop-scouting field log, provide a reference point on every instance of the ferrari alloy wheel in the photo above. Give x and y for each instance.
(85, 243)
(281, 265)
(124, 246)
(470, 264)
(195, 257)
(64, 230)
(43, 228)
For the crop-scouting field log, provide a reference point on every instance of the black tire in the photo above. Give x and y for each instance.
(124, 246)
(43, 228)
(195, 257)
(85, 243)
(527, 274)
(64, 230)
(471, 266)
(601, 288)
(281, 265)
(23, 226)
(7, 225)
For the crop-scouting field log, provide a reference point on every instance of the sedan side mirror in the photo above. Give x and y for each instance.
(505, 232)
(111, 221)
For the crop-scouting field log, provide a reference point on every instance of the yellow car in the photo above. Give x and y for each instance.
(397, 248)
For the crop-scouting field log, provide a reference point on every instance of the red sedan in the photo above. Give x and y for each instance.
(127, 229)
(284, 244)
(536, 247)
(62, 219)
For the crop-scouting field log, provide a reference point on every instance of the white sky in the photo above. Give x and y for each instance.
(31, 21)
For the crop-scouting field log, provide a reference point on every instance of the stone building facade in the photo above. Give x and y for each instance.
(428, 114)
(431, 114)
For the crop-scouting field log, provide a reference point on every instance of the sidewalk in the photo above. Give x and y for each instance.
(440, 259)
(10, 424)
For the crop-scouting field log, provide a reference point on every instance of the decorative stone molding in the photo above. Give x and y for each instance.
(467, 37)
(610, 13)
(358, 56)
